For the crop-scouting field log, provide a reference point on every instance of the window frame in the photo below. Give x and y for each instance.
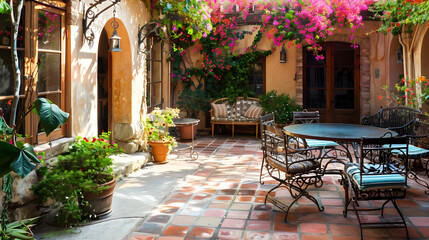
(30, 53)
(262, 61)
(149, 76)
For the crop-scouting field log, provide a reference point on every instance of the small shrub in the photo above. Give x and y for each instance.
(281, 105)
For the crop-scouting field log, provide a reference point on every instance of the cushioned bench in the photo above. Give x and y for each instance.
(243, 111)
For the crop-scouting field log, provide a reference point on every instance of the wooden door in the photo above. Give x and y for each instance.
(331, 85)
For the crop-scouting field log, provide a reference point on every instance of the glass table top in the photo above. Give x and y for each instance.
(185, 121)
(337, 131)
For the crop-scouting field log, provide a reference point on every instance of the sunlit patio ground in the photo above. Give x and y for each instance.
(223, 199)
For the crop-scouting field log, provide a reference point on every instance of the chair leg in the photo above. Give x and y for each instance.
(232, 130)
(212, 130)
(382, 207)
(303, 192)
(262, 169)
(272, 189)
(257, 131)
(402, 216)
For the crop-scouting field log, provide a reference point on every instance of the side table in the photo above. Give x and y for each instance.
(183, 122)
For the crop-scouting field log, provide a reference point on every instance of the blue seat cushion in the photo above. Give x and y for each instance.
(371, 182)
(413, 151)
(313, 143)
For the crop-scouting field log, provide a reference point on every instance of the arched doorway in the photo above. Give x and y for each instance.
(103, 106)
(331, 85)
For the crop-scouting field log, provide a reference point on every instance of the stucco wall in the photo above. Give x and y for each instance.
(129, 65)
(425, 55)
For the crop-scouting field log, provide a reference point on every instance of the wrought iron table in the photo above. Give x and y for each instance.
(345, 135)
(342, 133)
(183, 146)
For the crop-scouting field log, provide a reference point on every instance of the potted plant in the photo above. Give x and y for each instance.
(157, 135)
(82, 181)
(282, 106)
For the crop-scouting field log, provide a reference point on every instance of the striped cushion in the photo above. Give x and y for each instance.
(253, 112)
(413, 151)
(386, 181)
(278, 162)
(313, 143)
(219, 110)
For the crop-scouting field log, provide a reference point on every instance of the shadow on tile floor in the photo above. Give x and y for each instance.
(223, 199)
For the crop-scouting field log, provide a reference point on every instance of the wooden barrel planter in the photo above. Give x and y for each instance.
(100, 203)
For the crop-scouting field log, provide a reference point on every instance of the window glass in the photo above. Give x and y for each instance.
(156, 93)
(5, 106)
(49, 30)
(256, 78)
(5, 30)
(6, 73)
(49, 76)
(154, 73)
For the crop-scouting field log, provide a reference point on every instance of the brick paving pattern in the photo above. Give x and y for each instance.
(223, 199)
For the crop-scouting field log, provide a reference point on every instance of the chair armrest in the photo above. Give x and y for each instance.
(404, 130)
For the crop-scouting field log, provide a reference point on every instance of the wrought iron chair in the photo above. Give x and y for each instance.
(418, 133)
(378, 176)
(394, 118)
(295, 169)
(311, 117)
(267, 119)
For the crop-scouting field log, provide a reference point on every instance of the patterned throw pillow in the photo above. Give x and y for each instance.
(253, 112)
(219, 110)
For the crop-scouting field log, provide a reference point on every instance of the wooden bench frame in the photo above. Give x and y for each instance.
(233, 116)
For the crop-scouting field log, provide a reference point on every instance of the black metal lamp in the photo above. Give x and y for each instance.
(115, 40)
(283, 54)
(400, 54)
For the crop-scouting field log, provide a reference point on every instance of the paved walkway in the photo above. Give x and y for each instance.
(223, 199)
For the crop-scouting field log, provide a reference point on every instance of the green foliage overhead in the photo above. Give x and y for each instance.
(396, 13)
(4, 7)
(51, 116)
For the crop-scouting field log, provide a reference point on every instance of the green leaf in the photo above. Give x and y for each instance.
(8, 156)
(51, 116)
(4, 128)
(4, 7)
(24, 163)
(19, 160)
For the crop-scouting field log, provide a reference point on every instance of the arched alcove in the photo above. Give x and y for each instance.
(396, 66)
(120, 76)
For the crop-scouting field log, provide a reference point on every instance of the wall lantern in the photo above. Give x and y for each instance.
(90, 15)
(400, 55)
(283, 54)
(115, 40)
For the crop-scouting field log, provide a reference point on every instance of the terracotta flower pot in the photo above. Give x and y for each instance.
(100, 202)
(185, 132)
(160, 151)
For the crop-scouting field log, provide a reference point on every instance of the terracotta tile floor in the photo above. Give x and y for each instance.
(223, 199)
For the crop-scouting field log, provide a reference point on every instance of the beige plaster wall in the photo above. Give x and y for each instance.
(128, 87)
(279, 76)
